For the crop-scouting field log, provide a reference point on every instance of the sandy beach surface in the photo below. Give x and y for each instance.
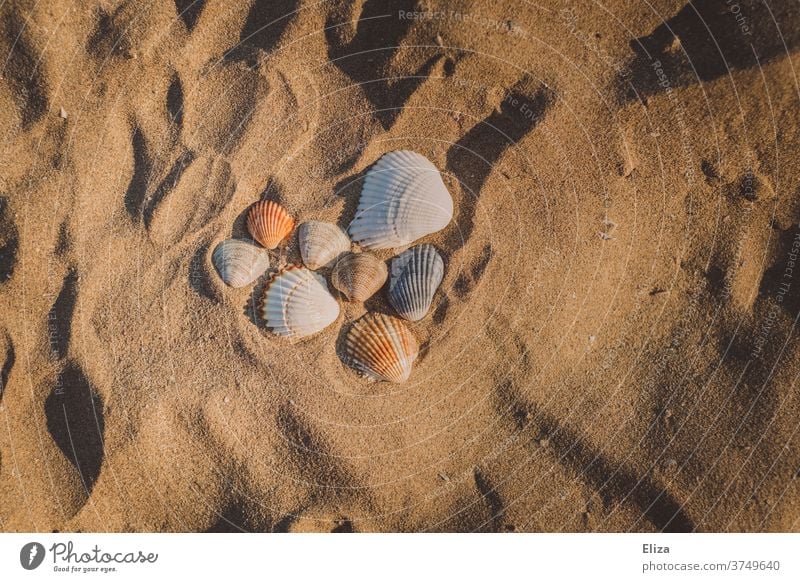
(614, 345)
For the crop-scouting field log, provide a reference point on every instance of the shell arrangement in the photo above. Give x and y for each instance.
(403, 199)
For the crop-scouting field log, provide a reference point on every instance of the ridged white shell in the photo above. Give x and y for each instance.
(416, 275)
(381, 347)
(321, 243)
(359, 276)
(296, 303)
(403, 199)
(239, 262)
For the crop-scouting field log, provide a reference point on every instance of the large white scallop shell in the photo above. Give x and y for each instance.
(381, 347)
(321, 243)
(403, 199)
(296, 303)
(415, 276)
(239, 262)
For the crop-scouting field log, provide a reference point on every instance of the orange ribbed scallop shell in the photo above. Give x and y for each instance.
(381, 347)
(269, 223)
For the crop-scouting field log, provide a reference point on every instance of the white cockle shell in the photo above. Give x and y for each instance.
(296, 303)
(239, 262)
(321, 243)
(404, 198)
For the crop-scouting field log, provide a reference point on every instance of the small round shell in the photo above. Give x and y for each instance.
(239, 262)
(403, 199)
(269, 223)
(359, 276)
(381, 347)
(416, 275)
(296, 303)
(321, 243)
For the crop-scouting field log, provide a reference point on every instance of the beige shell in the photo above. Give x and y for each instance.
(269, 223)
(321, 243)
(359, 276)
(296, 303)
(239, 262)
(381, 347)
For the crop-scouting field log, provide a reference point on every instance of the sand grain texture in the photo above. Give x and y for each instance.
(614, 344)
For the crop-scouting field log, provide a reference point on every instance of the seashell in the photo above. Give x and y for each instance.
(321, 243)
(359, 276)
(381, 347)
(416, 275)
(296, 303)
(403, 199)
(269, 223)
(239, 262)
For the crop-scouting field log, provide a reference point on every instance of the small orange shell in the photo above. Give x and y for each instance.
(381, 347)
(269, 223)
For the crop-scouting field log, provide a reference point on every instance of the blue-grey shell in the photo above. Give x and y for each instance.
(414, 278)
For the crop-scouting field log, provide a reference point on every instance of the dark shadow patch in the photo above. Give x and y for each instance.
(232, 520)
(252, 308)
(349, 188)
(266, 23)
(704, 41)
(107, 39)
(365, 56)
(491, 498)
(59, 319)
(343, 526)
(8, 364)
(466, 282)
(9, 242)
(189, 11)
(709, 170)
(472, 159)
(200, 276)
(715, 275)
(75, 421)
(777, 283)
(440, 313)
(166, 185)
(175, 103)
(136, 193)
(62, 242)
(21, 70)
(615, 482)
(284, 524)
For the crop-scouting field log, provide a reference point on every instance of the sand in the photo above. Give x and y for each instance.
(614, 344)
